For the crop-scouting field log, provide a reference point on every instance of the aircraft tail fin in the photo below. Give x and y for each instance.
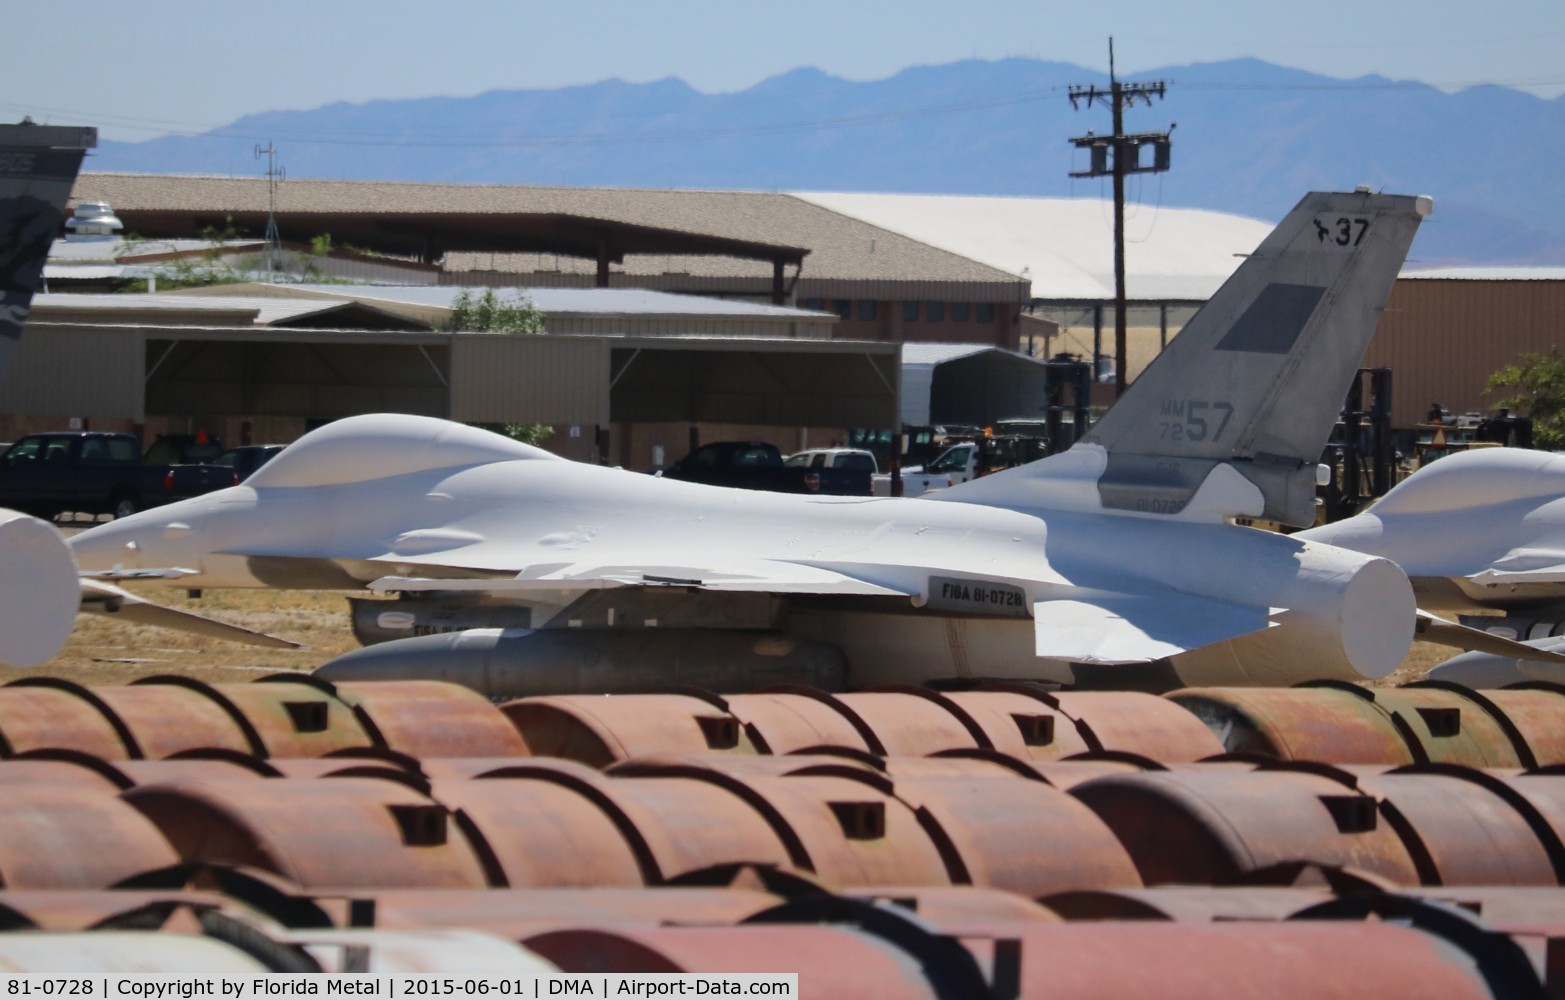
(38, 167)
(1256, 379)
(1254, 382)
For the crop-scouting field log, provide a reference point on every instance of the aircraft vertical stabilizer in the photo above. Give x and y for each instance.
(1256, 379)
(38, 166)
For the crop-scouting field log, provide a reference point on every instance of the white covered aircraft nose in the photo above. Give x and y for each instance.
(1377, 616)
(162, 538)
(38, 577)
(117, 544)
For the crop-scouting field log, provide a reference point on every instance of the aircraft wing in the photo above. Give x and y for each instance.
(103, 598)
(1528, 565)
(751, 575)
(1137, 628)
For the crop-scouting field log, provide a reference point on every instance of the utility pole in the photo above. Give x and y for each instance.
(274, 175)
(1118, 155)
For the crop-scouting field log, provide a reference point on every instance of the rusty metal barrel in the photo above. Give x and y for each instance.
(1019, 835)
(1022, 723)
(432, 719)
(1326, 724)
(794, 719)
(295, 716)
(168, 718)
(69, 836)
(541, 833)
(38, 713)
(1456, 725)
(1340, 723)
(1536, 712)
(601, 729)
(913, 722)
(340, 832)
(1137, 723)
(1463, 826)
(842, 822)
(1544, 791)
(67, 767)
(1208, 826)
(672, 823)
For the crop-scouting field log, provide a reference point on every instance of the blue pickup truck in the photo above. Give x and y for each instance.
(93, 472)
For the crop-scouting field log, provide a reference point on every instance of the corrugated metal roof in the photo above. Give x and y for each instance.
(575, 301)
(840, 246)
(83, 272)
(230, 310)
(1067, 244)
(89, 248)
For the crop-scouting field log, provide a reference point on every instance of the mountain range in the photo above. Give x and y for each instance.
(1250, 139)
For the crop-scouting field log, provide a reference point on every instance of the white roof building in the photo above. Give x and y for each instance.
(1066, 245)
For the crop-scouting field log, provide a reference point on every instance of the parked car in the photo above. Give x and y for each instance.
(245, 459)
(756, 465)
(833, 458)
(963, 462)
(99, 473)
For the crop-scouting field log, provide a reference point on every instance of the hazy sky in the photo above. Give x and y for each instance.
(138, 68)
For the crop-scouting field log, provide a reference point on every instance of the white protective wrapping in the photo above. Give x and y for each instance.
(39, 593)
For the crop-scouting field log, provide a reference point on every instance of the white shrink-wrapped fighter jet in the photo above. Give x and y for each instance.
(1481, 533)
(1114, 563)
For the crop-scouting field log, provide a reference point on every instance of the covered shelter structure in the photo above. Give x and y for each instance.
(270, 366)
(971, 385)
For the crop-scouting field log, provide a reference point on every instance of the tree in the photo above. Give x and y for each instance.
(488, 313)
(1535, 384)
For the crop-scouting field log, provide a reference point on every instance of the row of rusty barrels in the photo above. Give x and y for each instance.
(1522, 727)
(1035, 827)
(1333, 934)
(295, 716)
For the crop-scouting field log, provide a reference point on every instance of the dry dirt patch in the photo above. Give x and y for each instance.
(105, 651)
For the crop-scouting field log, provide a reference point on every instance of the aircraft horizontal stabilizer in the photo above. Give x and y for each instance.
(1124, 628)
(106, 599)
(1443, 632)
